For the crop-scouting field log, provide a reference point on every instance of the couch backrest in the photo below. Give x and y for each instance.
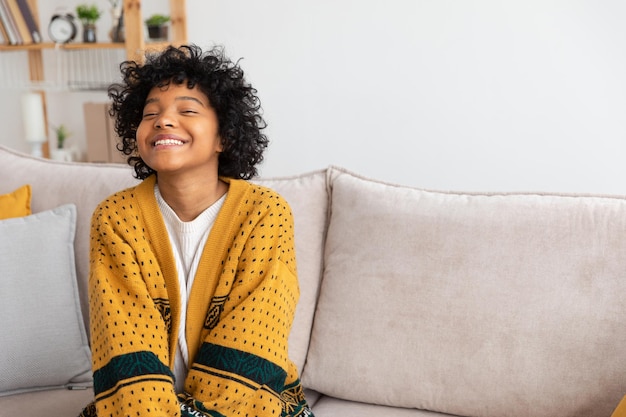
(307, 195)
(484, 305)
(55, 183)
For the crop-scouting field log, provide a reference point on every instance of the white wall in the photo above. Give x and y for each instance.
(447, 94)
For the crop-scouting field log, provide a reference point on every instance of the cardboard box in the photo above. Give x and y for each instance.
(101, 137)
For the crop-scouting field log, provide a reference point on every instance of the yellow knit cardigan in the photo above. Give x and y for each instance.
(239, 314)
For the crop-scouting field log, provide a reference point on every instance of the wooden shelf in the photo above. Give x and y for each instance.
(134, 28)
(82, 46)
(71, 45)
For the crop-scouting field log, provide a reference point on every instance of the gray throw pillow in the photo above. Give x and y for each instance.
(44, 342)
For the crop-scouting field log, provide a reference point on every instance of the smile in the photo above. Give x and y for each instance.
(168, 142)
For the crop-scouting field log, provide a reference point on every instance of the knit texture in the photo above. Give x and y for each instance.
(239, 313)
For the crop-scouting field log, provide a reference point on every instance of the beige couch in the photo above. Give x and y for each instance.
(414, 302)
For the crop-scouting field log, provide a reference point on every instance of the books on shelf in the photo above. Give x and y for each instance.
(29, 18)
(18, 24)
(7, 24)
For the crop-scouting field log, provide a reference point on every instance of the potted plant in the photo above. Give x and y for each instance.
(157, 27)
(62, 153)
(88, 16)
(62, 134)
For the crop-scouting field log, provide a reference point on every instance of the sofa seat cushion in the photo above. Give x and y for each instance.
(333, 407)
(48, 403)
(479, 305)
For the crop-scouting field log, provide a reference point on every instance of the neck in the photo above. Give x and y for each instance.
(190, 198)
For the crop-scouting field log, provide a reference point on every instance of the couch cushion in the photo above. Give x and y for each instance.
(308, 197)
(48, 403)
(55, 183)
(333, 407)
(44, 342)
(15, 203)
(472, 304)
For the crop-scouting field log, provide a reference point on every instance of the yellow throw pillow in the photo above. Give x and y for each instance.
(15, 204)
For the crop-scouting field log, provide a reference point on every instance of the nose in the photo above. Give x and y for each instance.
(165, 119)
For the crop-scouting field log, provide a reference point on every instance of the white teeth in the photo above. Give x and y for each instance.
(168, 142)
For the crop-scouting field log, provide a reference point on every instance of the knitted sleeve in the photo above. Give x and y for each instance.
(242, 365)
(129, 318)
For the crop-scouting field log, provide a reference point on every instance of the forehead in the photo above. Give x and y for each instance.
(175, 91)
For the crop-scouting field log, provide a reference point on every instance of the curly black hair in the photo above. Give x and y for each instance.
(234, 100)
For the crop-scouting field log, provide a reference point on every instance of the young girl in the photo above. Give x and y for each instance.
(193, 284)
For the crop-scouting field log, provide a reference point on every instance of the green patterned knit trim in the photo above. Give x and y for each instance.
(128, 366)
(250, 367)
(294, 402)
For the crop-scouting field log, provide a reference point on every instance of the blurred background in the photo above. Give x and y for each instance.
(477, 95)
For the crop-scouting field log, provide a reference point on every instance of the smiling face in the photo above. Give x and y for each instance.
(178, 133)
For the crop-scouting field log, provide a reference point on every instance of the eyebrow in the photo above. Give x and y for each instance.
(155, 99)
